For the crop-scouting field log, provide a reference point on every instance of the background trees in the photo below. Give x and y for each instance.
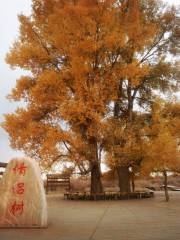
(90, 63)
(161, 147)
(152, 33)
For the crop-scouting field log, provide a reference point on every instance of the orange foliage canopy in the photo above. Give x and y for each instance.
(84, 56)
(161, 148)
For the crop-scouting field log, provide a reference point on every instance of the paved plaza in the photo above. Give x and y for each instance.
(145, 219)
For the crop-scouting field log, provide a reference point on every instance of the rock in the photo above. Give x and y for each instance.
(23, 200)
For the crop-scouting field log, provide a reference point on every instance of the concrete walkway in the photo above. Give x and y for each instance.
(145, 219)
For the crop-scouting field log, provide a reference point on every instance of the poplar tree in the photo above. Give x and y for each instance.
(161, 146)
(89, 62)
(148, 68)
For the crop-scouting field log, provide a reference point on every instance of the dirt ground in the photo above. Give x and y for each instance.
(144, 219)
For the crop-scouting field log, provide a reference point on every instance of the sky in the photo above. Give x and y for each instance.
(8, 33)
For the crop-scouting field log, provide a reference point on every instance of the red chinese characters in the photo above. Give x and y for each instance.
(17, 208)
(20, 169)
(19, 188)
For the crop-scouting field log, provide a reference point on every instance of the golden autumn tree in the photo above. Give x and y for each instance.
(145, 71)
(161, 146)
(69, 48)
(129, 150)
(89, 62)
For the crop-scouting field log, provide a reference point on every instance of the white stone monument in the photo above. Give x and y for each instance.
(22, 195)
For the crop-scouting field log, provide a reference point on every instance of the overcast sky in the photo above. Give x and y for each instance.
(9, 31)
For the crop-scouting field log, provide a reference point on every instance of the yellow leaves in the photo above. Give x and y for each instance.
(80, 68)
(19, 127)
(171, 112)
(115, 40)
(133, 19)
(134, 72)
(34, 137)
(161, 150)
(168, 17)
(79, 112)
(26, 29)
(50, 142)
(29, 56)
(79, 53)
(124, 143)
(23, 86)
(161, 153)
(74, 24)
(49, 89)
(139, 27)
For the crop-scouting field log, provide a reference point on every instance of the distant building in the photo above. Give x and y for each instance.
(2, 168)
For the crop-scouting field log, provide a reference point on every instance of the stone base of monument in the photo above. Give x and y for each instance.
(23, 201)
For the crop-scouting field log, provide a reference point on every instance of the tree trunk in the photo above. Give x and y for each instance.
(165, 186)
(133, 183)
(123, 172)
(124, 179)
(96, 184)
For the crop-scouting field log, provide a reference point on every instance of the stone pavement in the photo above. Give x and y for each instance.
(145, 219)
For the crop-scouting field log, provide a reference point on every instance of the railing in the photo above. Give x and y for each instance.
(57, 180)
